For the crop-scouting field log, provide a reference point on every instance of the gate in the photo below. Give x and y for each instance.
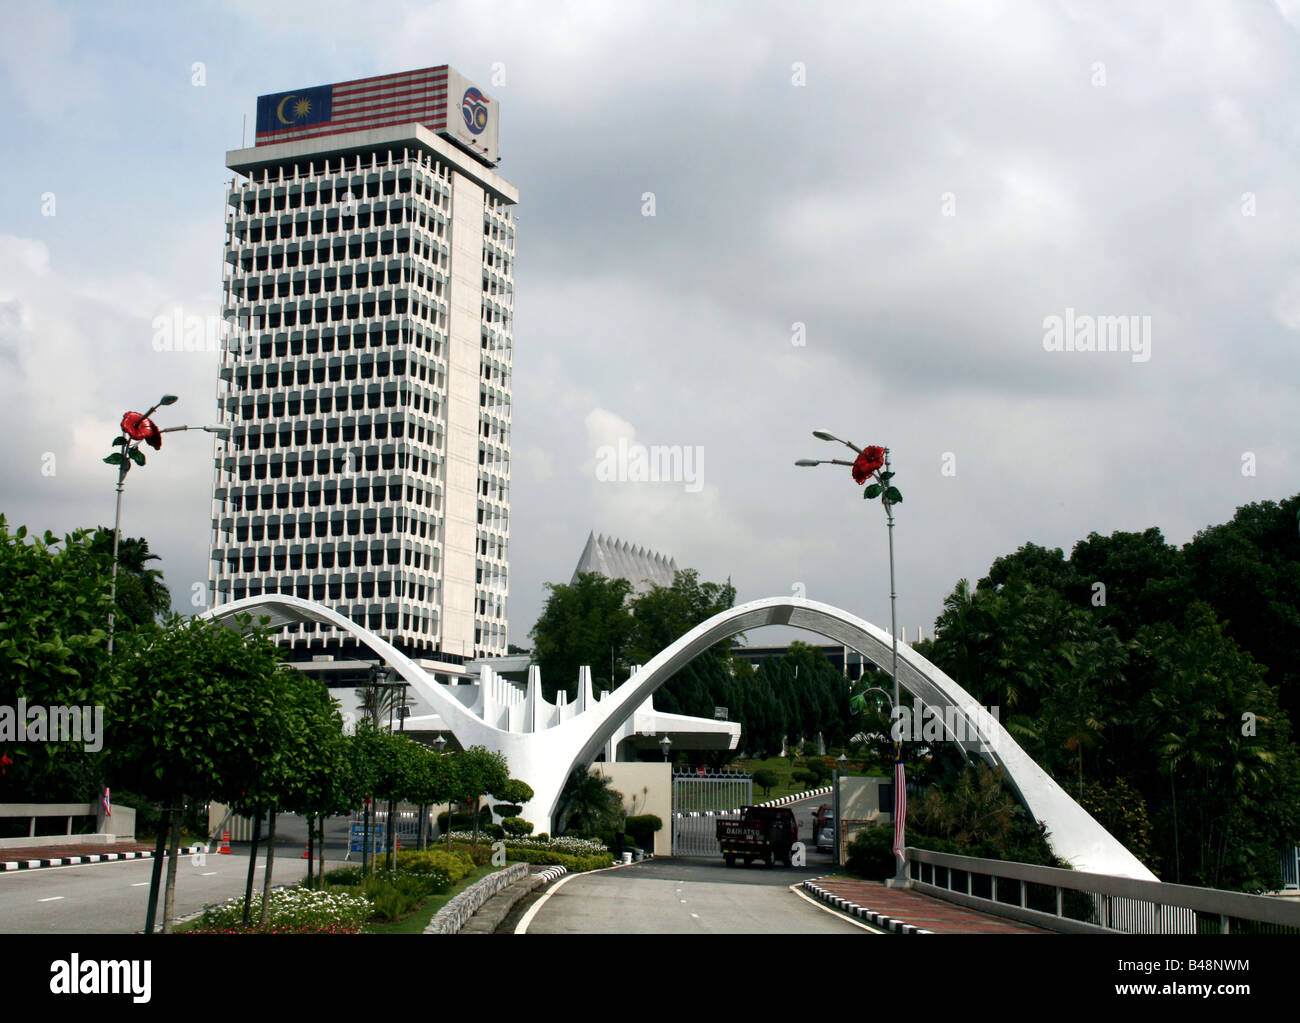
(700, 798)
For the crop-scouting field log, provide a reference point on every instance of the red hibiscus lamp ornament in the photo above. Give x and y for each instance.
(138, 427)
(868, 461)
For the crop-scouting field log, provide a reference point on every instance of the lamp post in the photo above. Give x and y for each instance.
(441, 743)
(666, 745)
(137, 429)
(873, 463)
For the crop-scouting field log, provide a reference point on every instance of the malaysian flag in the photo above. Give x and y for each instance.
(412, 96)
(900, 800)
(108, 806)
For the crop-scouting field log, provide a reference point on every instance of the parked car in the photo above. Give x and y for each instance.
(826, 837)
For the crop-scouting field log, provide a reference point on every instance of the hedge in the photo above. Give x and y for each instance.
(576, 864)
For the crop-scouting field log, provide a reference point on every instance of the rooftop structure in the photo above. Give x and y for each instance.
(617, 559)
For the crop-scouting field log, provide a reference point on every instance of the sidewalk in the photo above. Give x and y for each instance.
(904, 911)
(33, 857)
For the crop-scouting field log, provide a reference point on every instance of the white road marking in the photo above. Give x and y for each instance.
(696, 915)
(207, 873)
(139, 884)
(52, 898)
(522, 926)
(827, 909)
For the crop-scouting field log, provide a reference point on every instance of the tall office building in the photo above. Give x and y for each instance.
(366, 376)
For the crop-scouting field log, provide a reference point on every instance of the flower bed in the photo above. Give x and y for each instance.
(563, 844)
(292, 911)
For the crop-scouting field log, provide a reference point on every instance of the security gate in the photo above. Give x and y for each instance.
(700, 799)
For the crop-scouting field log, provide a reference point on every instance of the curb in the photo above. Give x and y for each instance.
(456, 913)
(887, 923)
(550, 874)
(72, 861)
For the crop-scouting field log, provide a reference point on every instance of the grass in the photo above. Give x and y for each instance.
(783, 768)
(416, 921)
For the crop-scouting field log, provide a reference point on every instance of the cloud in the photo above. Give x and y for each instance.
(941, 184)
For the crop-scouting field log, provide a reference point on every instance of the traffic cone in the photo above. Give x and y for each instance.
(225, 844)
(306, 851)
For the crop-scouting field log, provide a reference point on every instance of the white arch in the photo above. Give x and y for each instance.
(546, 758)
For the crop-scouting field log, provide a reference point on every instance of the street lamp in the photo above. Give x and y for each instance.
(868, 465)
(139, 429)
(666, 745)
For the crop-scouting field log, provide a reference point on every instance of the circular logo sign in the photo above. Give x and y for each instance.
(474, 109)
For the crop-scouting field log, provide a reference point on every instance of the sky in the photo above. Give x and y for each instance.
(738, 223)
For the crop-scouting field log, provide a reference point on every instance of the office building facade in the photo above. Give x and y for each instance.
(366, 375)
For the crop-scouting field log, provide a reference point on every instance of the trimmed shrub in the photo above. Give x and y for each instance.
(455, 865)
(504, 810)
(871, 853)
(576, 864)
(344, 877)
(481, 855)
(517, 827)
(465, 821)
(641, 829)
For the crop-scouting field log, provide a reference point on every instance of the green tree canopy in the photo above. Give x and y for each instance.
(586, 623)
(54, 601)
(199, 711)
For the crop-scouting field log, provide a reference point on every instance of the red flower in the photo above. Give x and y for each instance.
(137, 427)
(4, 762)
(870, 459)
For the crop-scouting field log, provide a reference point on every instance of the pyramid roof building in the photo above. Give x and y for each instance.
(617, 559)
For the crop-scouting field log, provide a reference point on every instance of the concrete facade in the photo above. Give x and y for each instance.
(366, 379)
(646, 788)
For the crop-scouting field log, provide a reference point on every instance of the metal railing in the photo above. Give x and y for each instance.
(1290, 867)
(1075, 901)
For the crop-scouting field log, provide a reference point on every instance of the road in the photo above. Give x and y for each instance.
(111, 898)
(687, 896)
(682, 896)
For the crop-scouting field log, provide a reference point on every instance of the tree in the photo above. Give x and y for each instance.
(196, 715)
(664, 614)
(1225, 747)
(379, 703)
(480, 772)
(766, 779)
(433, 782)
(586, 623)
(1155, 686)
(316, 784)
(1248, 570)
(142, 597)
(54, 601)
(590, 804)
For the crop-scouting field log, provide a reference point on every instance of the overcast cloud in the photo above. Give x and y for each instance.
(948, 176)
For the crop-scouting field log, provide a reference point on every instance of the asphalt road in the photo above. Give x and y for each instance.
(681, 896)
(111, 898)
(687, 896)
